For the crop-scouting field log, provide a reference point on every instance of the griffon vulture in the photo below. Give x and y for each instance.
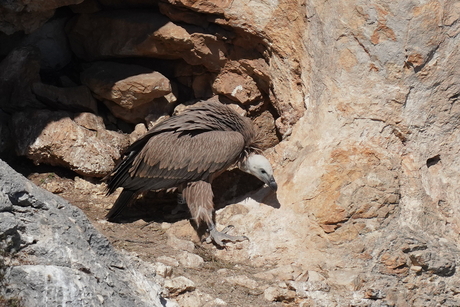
(187, 152)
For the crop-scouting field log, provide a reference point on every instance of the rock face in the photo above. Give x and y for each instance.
(366, 106)
(62, 259)
(368, 172)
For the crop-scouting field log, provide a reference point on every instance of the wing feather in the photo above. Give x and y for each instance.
(177, 157)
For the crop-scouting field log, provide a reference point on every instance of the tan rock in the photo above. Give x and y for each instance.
(153, 119)
(129, 86)
(242, 81)
(178, 285)
(276, 294)
(269, 22)
(395, 264)
(238, 88)
(190, 260)
(195, 299)
(163, 270)
(54, 138)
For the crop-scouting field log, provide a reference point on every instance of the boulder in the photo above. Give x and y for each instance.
(129, 86)
(79, 141)
(63, 259)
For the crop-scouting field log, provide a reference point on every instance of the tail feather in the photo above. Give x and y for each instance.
(120, 173)
(120, 204)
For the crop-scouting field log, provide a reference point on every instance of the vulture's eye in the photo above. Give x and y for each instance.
(263, 171)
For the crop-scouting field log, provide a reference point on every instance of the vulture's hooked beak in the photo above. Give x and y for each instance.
(272, 184)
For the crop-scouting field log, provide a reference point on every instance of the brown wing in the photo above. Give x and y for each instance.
(169, 159)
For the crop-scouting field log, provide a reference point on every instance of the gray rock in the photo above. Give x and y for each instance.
(63, 259)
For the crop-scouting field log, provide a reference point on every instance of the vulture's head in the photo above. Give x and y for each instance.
(259, 166)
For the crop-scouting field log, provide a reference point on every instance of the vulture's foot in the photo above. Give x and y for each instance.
(221, 237)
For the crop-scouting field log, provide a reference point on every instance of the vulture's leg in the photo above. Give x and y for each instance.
(199, 200)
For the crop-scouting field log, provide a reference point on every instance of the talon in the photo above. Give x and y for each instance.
(219, 237)
(228, 228)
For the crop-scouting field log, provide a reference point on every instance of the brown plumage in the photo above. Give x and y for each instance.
(187, 151)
